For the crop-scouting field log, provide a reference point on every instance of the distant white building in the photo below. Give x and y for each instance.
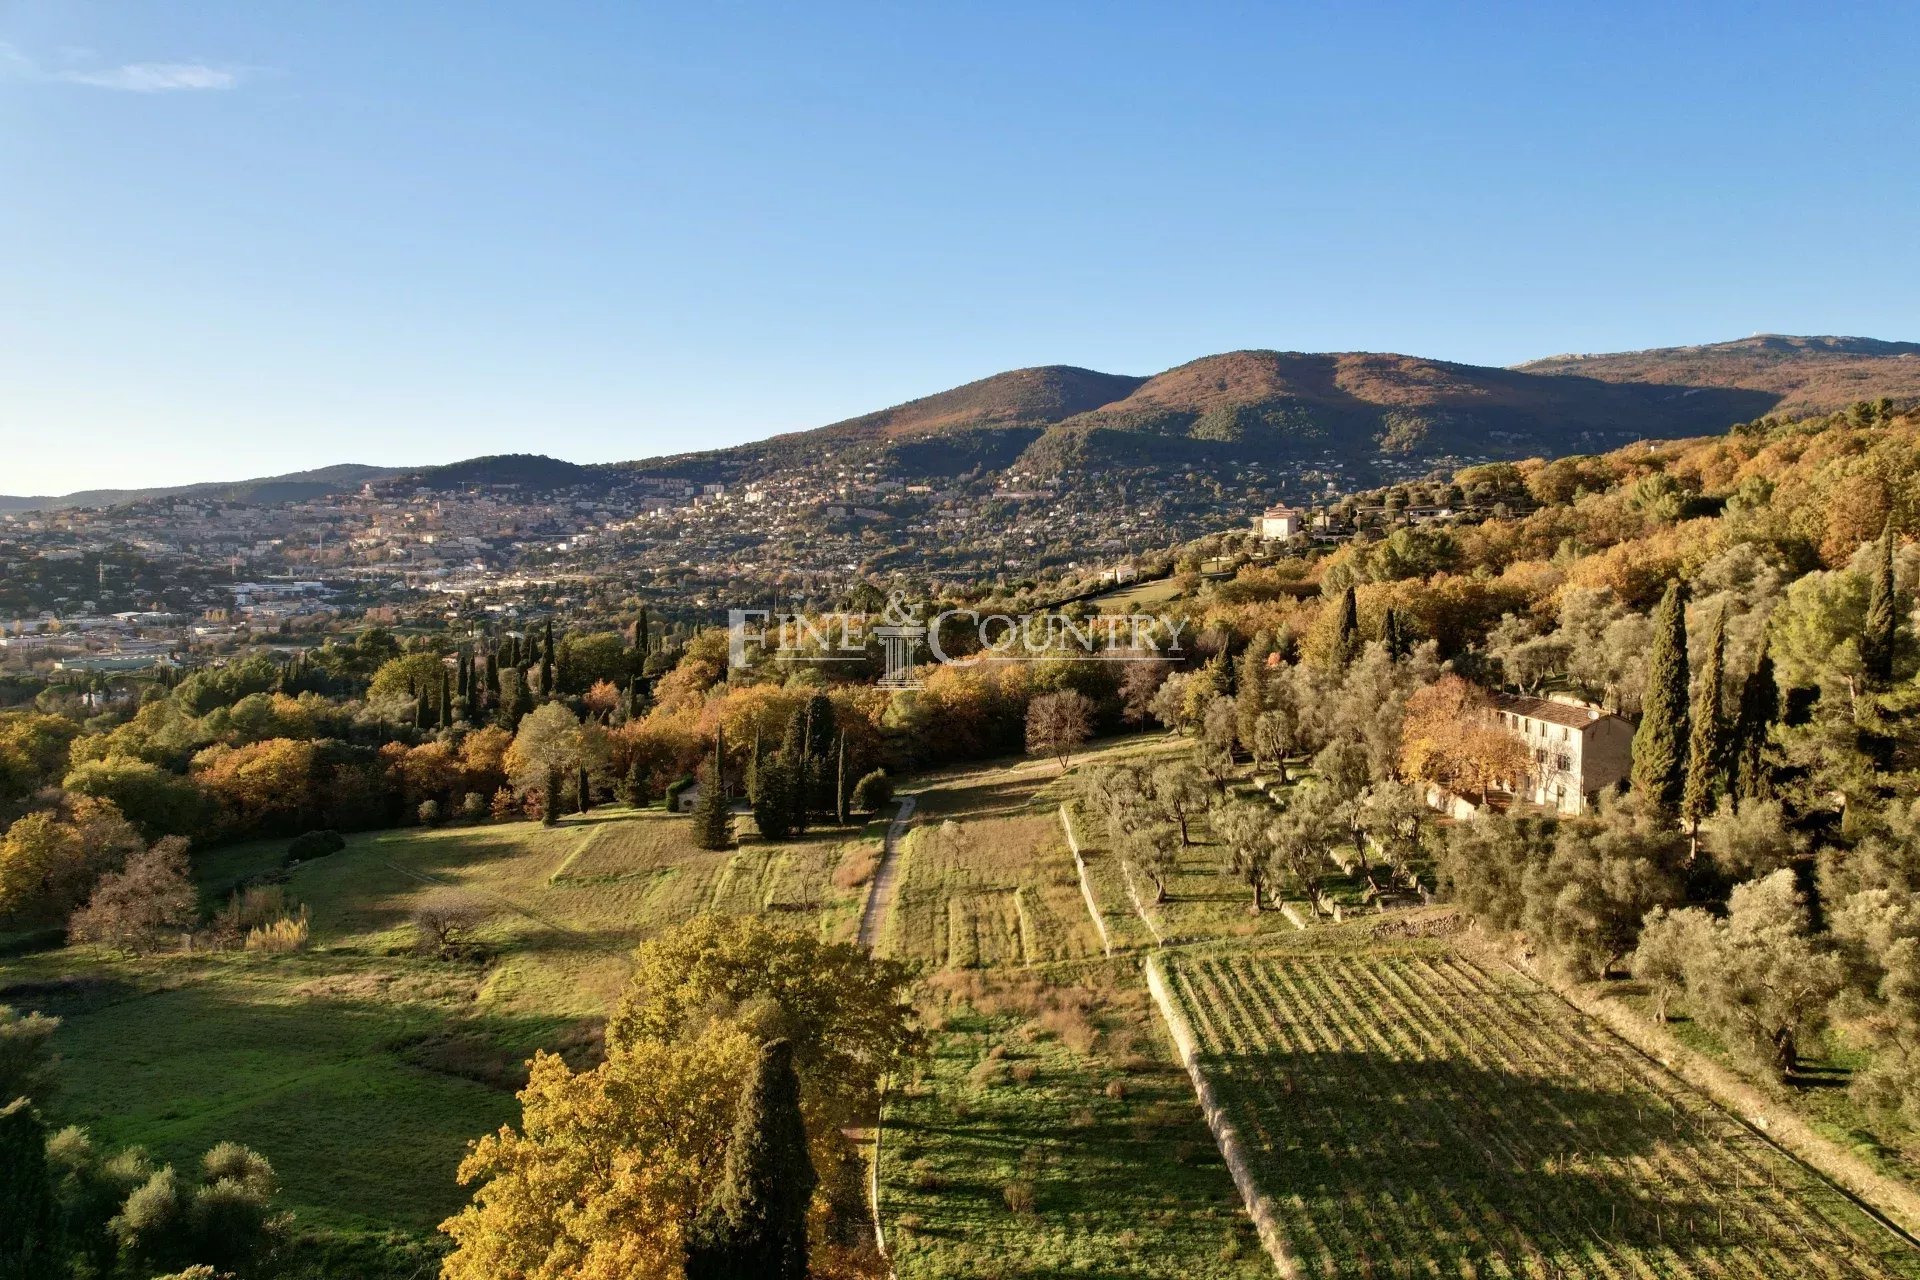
(1277, 524)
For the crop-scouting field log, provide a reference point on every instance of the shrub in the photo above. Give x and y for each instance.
(924, 1178)
(674, 789)
(873, 792)
(856, 866)
(503, 805)
(446, 923)
(252, 907)
(142, 905)
(429, 813)
(288, 933)
(26, 1054)
(1019, 1197)
(473, 806)
(315, 844)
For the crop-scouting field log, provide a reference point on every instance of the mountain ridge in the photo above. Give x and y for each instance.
(1253, 404)
(290, 487)
(1806, 374)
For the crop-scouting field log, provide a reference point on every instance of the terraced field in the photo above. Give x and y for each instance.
(994, 891)
(1203, 902)
(1410, 1111)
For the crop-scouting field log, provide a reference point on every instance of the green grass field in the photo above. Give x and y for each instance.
(1138, 597)
(1052, 1134)
(1411, 1112)
(362, 1069)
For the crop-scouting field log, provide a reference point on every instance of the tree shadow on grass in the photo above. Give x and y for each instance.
(364, 1105)
(988, 798)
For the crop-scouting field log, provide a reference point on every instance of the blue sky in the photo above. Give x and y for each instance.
(251, 236)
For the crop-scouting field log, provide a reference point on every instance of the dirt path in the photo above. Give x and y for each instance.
(880, 897)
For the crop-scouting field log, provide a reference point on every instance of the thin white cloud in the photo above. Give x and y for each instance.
(15, 64)
(155, 77)
(132, 77)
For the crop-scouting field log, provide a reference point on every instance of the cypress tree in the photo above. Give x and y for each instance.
(29, 1222)
(1346, 636)
(821, 732)
(1707, 748)
(1759, 708)
(712, 820)
(773, 800)
(490, 685)
(1390, 634)
(797, 759)
(755, 1225)
(799, 783)
(550, 812)
(840, 783)
(1660, 743)
(754, 765)
(820, 725)
(546, 664)
(422, 709)
(584, 791)
(1883, 618)
(446, 698)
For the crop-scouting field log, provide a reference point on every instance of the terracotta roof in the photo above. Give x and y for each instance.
(1573, 716)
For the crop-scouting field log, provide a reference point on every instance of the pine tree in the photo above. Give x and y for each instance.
(1346, 636)
(1660, 743)
(29, 1222)
(712, 818)
(1759, 708)
(1883, 618)
(1707, 748)
(755, 1224)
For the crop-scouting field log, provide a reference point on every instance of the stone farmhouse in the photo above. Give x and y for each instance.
(1578, 750)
